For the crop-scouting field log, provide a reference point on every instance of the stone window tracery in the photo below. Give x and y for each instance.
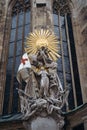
(67, 64)
(20, 27)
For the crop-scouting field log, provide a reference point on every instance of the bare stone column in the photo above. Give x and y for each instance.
(2, 26)
(3, 46)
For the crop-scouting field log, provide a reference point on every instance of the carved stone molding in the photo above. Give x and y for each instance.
(21, 5)
(2, 4)
(62, 6)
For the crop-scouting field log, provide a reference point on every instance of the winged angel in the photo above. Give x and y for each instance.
(38, 70)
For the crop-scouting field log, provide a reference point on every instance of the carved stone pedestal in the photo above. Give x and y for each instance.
(42, 123)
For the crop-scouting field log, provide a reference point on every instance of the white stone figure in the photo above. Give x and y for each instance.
(44, 83)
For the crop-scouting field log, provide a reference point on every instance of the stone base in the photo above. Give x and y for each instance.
(42, 123)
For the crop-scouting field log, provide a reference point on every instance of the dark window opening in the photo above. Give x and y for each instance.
(41, 5)
(63, 61)
(74, 62)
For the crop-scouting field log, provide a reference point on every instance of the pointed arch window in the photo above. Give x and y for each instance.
(67, 64)
(20, 27)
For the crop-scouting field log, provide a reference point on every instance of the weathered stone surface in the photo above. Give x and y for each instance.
(41, 123)
(4, 36)
(42, 16)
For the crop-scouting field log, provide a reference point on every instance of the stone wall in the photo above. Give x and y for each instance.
(42, 14)
(12, 125)
(3, 46)
(77, 117)
(2, 24)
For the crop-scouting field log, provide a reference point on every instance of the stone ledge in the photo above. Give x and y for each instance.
(10, 118)
(77, 115)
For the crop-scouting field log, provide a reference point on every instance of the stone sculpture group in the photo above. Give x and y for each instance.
(43, 94)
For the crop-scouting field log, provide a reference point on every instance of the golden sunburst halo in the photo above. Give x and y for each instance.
(42, 38)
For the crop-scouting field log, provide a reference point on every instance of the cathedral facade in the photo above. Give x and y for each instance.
(68, 20)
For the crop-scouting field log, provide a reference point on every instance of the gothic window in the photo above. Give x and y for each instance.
(20, 27)
(67, 63)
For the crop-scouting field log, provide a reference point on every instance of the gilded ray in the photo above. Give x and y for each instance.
(42, 38)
